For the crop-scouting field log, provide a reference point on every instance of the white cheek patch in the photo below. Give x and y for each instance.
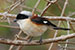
(45, 22)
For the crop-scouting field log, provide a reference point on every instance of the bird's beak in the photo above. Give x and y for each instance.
(15, 20)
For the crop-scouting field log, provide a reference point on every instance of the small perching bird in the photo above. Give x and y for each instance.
(34, 25)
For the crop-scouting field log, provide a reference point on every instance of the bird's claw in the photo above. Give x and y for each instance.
(40, 41)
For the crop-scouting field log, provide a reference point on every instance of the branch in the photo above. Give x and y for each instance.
(8, 15)
(8, 26)
(35, 42)
(36, 5)
(60, 18)
(50, 17)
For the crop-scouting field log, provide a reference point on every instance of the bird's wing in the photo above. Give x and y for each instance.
(42, 21)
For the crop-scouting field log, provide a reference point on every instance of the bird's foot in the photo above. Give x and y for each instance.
(40, 41)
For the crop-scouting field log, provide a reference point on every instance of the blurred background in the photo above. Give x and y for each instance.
(54, 10)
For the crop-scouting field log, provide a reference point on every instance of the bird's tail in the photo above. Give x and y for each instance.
(59, 28)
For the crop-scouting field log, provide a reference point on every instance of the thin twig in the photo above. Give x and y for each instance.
(71, 26)
(19, 47)
(64, 7)
(59, 8)
(11, 6)
(68, 32)
(47, 6)
(45, 9)
(9, 10)
(71, 14)
(11, 47)
(8, 26)
(38, 10)
(15, 6)
(36, 5)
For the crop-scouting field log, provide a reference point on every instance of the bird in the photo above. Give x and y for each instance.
(34, 25)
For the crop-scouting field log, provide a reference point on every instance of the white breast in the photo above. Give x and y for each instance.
(31, 29)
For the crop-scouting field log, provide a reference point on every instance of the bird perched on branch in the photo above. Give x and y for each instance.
(34, 25)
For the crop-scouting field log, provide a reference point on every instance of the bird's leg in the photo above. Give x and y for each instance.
(30, 39)
(40, 41)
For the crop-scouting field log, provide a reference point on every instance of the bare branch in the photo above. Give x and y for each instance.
(35, 42)
(8, 26)
(63, 18)
(8, 15)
